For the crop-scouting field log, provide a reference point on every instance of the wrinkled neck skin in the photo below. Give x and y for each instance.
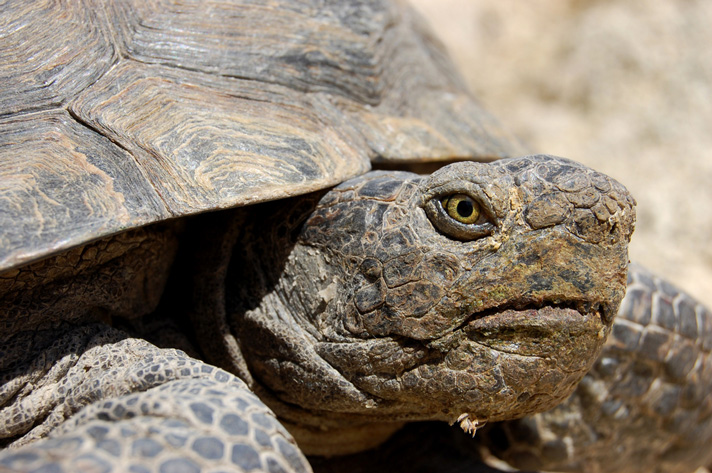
(367, 306)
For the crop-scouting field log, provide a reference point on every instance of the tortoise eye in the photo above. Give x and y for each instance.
(460, 216)
(462, 208)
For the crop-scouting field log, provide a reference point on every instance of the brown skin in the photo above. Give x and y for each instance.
(349, 312)
(371, 306)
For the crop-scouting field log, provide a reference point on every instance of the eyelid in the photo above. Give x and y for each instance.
(452, 228)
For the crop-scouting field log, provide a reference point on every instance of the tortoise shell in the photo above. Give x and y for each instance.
(114, 115)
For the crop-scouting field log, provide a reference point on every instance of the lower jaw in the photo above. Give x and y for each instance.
(463, 375)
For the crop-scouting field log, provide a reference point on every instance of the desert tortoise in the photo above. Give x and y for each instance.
(480, 293)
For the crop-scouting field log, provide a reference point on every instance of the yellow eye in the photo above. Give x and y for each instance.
(462, 208)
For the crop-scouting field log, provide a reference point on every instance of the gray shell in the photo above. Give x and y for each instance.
(118, 114)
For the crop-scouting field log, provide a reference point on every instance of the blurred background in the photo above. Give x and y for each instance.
(622, 86)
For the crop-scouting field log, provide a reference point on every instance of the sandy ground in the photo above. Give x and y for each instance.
(622, 86)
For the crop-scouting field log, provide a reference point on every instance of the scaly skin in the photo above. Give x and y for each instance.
(644, 407)
(91, 398)
(347, 312)
(371, 314)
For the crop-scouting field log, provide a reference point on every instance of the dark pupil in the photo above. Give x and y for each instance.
(464, 208)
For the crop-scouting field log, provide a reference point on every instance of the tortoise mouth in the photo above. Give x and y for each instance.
(582, 307)
(499, 362)
(502, 361)
(529, 328)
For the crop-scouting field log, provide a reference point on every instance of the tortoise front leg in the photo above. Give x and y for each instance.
(91, 398)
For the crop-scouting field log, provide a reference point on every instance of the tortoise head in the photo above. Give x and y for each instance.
(483, 291)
